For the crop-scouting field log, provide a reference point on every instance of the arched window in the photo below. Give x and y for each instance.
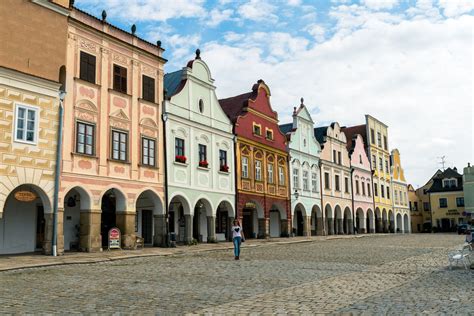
(201, 105)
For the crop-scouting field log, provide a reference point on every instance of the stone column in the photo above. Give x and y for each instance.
(60, 231)
(350, 225)
(392, 227)
(385, 226)
(159, 237)
(263, 228)
(306, 226)
(284, 227)
(188, 229)
(229, 229)
(211, 229)
(378, 225)
(319, 226)
(90, 239)
(340, 226)
(126, 223)
(330, 222)
(48, 234)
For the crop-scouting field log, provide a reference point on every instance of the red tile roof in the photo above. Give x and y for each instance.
(352, 131)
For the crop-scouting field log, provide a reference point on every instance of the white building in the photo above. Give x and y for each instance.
(200, 156)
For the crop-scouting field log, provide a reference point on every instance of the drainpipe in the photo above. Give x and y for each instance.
(164, 117)
(236, 195)
(354, 225)
(62, 94)
(321, 188)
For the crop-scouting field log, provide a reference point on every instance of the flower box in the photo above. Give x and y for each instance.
(203, 163)
(224, 168)
(181, 159)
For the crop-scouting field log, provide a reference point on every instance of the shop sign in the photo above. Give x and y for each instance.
(114, 238)
(452, 212)
(250, 205)
(25, 196)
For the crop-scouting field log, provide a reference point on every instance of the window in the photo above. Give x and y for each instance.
(360, 159)
(269, 134)
(450, 183)
(380, 164)
(281, 175)
(26, 124)
(179, 150)
(372, 136)
(382, 190)
(148, 151)
(148, 89)
(368, 189)
(296, 178)
(426, 206)
(385, 143)
(245, 167)
(396, 196)
(270, 173)
(459, 201)
(202, 154)
(346, 185)
(305, 180)
(201, 105)
(443, 202)
(339, 157)
(222, 157)
(376, 190)
(326, 181)
(258, 170)
(374, 162)
(357, 187)
(314, 182)
(338, 185)
(334, 157)
(84, 138)
(257, 129)
(362, 184)
(87, 67)
(388, 192)
(379, 139)
(120, 79)
(386, 166)
(119, 145)
(415, 206)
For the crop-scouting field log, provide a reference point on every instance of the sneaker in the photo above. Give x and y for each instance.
(237, 258)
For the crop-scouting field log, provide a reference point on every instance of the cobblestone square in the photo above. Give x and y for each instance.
(385, 274)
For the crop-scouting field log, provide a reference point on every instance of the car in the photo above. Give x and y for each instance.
(463, 228)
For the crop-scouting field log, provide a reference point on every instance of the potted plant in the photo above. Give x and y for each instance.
(203, 163)
(224, 168)
(181, 159)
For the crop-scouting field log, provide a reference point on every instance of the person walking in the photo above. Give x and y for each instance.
(237, 237)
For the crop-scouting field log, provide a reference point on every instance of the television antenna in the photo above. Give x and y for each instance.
(442, 162)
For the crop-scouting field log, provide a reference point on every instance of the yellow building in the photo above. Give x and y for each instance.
(32, 59)
(446, 199)
(399, 194)
(416, 213)
(378, 151)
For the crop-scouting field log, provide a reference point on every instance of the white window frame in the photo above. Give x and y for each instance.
(281, 175)
(35, 137)
(245, 167)
(296, 178)
(270, 173)
(314, 182)
(305, 180)
(258, 170)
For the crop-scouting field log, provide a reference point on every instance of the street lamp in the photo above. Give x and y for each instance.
(296, 194)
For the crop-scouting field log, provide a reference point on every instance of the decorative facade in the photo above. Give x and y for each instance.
(263, 202)
(416, 215)
(399, 195)
(305, 176)
(446, 198)
(31, 77)
(361, 182)
(336, 187)
(113, 167)
(200, 156)
(468, 187)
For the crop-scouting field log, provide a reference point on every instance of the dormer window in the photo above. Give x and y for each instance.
(257, 129)
(450, 183)
(269, 134)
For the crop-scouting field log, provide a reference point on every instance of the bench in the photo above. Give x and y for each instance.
(461, 255)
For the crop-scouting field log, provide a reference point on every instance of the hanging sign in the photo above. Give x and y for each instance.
(114, 238)
(25, 196)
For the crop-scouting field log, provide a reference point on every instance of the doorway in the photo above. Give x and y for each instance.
(40, 227)
(147, 226)
(247, 223)
(108, 216)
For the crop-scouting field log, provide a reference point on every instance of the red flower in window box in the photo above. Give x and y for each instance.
(224, 168)
(203, 163)
(181, 159)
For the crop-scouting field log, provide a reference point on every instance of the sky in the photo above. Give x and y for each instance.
(408, 63)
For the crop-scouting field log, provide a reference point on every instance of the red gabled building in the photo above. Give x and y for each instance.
(262, 201)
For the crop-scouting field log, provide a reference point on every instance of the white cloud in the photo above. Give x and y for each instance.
(258, 10)
(147, 10)
(380, 4)
(217, 16)
(293, 2)
(316, 31)
(423, 9)
(414, 75)
(456, 7)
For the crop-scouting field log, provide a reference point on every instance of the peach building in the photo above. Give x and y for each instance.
(113, 162)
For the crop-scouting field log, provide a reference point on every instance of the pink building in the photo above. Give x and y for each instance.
(361, 183)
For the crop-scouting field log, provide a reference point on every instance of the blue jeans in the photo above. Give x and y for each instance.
(237, 241)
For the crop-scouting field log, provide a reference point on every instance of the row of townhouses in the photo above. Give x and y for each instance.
(94, 135)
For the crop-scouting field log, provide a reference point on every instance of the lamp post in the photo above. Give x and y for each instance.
(62, 95)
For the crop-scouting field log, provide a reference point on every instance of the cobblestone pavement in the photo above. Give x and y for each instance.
(397, 274)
